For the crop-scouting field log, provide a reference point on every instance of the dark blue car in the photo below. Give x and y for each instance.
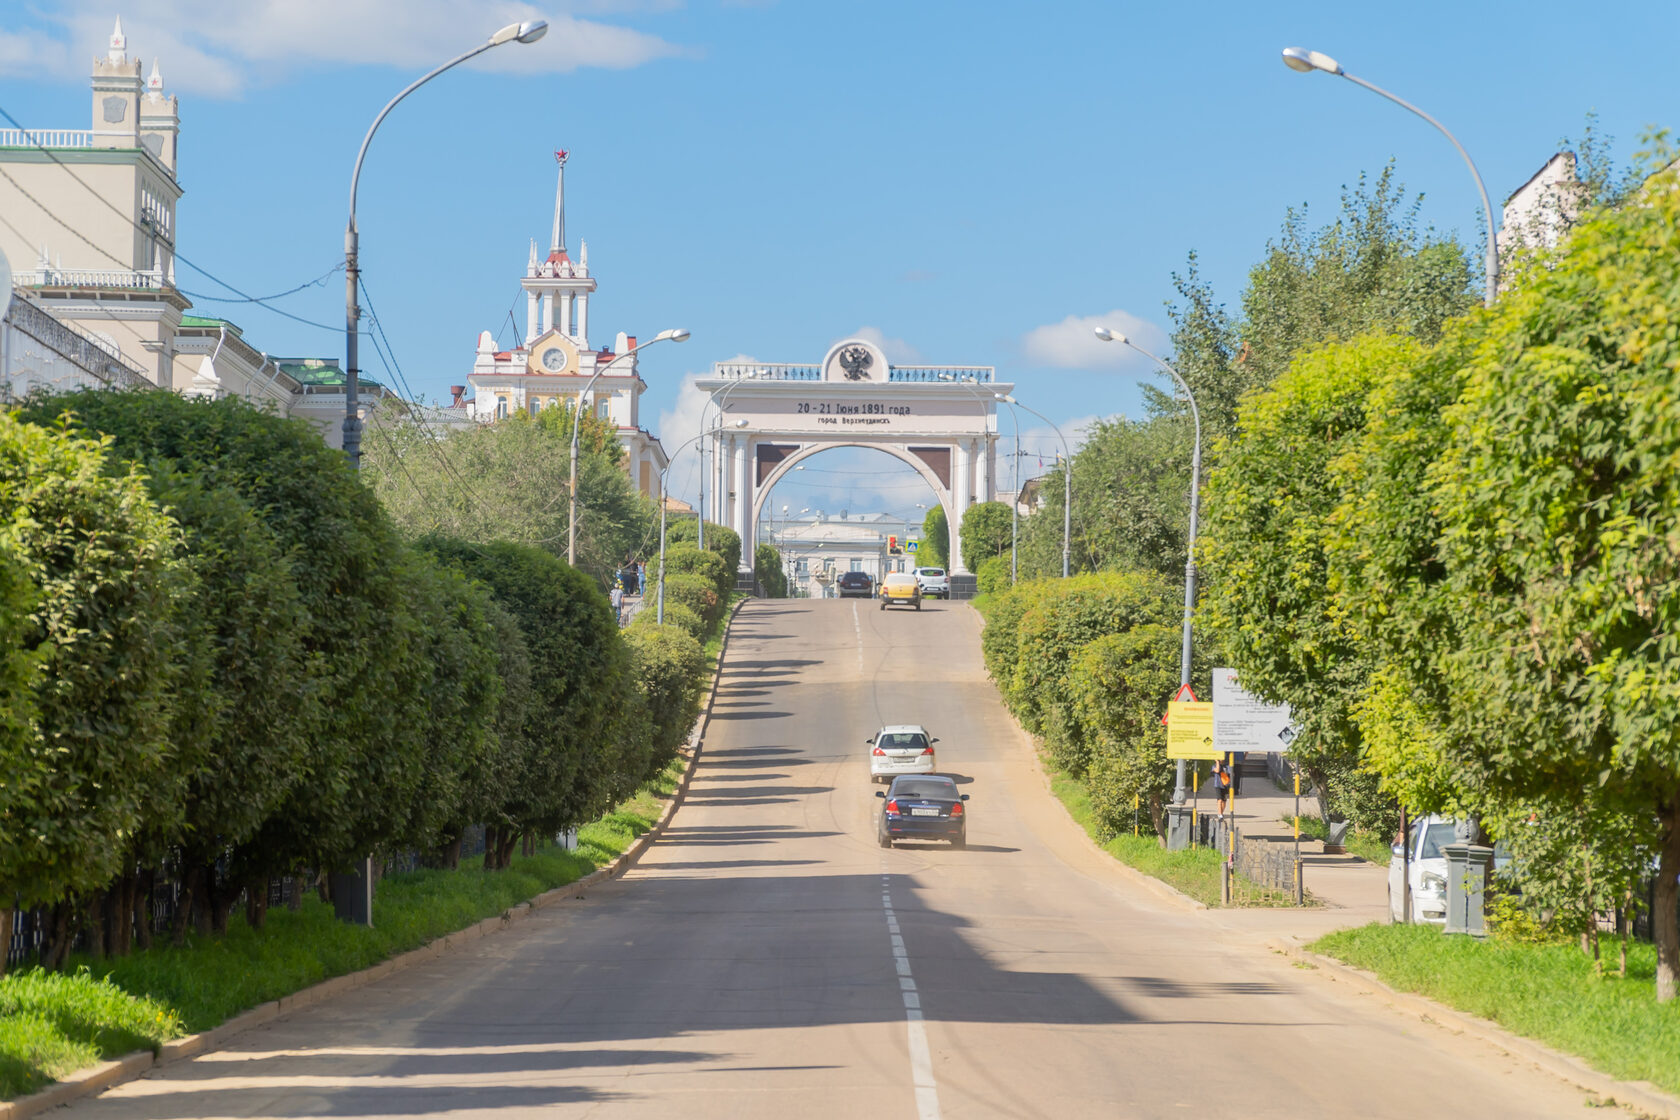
(923, 807)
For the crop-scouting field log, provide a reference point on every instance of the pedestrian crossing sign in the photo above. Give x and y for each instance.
(912, 547)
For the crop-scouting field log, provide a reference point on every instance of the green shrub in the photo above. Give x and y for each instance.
(720, 539)
(993, 576)
(98, 559)
(668, 664)
(693, 592)
(1119, 686)
(704, 563)
(675, 615)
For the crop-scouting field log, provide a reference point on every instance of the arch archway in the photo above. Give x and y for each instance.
(939, 420)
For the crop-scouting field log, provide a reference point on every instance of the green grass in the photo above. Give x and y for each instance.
(1366, 845)
(1544, 991)
(1194, 871)
(102, 1009)
(52, 1024)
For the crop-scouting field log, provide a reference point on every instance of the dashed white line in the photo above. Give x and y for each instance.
(921, 1058)
(857, 627)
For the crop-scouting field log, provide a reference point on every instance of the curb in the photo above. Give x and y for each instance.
(1643, 1096)
(96, 1079)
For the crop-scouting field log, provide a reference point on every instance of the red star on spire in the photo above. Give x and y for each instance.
(560, 156)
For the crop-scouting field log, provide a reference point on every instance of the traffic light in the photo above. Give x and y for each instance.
(892, 547)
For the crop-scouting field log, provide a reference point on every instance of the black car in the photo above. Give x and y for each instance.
(856, 585)
(923, 807)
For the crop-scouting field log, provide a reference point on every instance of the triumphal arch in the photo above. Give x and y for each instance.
(941, 420)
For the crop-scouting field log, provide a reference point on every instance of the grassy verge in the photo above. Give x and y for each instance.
(1547, 992)
(1194, 871)
(51, 1024)
(1366, 845)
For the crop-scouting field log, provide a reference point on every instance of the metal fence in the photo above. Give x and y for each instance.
(1257, 872)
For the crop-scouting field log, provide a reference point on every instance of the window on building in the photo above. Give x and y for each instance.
(857, 565)
(501, 408)
(535, 407)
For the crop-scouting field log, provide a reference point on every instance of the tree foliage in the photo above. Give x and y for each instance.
(986, 532)
(935, 548)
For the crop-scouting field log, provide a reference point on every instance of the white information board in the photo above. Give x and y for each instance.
(1244, 722)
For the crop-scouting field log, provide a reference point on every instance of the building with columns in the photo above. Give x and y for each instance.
(556, 360)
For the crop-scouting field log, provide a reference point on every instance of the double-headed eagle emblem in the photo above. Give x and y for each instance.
(856, 360)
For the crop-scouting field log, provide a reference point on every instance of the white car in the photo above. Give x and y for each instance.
(935, 584)
(903, 748)
(1429, 870)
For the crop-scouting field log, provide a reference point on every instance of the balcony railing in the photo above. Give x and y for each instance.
(95, 278)
(46, 138)
(776, 371)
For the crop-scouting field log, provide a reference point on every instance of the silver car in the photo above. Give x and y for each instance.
(902, 748)
(934, 582)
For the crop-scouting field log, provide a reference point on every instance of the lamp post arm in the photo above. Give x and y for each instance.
(1067, 485)
(577, 426)
(352, 265)
(1491, 258)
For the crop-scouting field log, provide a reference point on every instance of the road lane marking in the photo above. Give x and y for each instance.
(857, 628)
(921, 1056)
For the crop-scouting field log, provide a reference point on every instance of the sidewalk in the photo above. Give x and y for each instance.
(1351, 891)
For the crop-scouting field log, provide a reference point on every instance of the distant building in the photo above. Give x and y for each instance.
(1541, 211)
(556, 360)
(817, 548)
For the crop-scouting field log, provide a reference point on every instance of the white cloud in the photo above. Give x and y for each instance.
(898, 351)
(1073, 344)
(218, 49)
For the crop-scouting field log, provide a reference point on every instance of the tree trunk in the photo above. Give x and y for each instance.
(256, 902)
(119, 916)
(144, 885)
(492, 846)
(185, 902)
(1665, 922)
(56, 945)
(452, 854)
(504, 858)
(7, 917)
(221, 900)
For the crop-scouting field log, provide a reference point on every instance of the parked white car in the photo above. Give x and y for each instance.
(903, 748)
(1429, 870)
(934, 582)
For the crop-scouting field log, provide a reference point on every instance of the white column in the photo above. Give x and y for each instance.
(962, 469)
(983, 471)
(533, 316)
(743, 504)
(583, 318)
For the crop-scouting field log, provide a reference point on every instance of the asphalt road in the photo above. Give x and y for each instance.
(768, 959)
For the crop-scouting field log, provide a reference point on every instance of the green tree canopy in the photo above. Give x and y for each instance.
(986, 532)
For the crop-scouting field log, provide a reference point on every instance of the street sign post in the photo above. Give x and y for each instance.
(1244, 722)
(1190, 729)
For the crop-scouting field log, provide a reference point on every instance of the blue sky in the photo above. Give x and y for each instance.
(958, 178)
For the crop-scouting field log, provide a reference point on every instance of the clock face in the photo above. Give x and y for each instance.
(554, 359)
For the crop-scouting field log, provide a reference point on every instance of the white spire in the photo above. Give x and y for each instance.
(154, 84)
(583, 255)
(559, 240)
(119, 44)
(531, 265)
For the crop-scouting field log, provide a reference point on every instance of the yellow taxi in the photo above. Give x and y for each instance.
(901, 588)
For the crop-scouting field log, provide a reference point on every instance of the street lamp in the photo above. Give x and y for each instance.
(659, 616)
(674, 335)
(1304, 61)
(1067, 475)
(724, 390)
(1190, 548)
(528, 32)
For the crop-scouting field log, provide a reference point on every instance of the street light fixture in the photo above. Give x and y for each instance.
(674, 335)
(1190, 549)
(528, 32)
(1067, 476)
(659, 616)
(1303, 61)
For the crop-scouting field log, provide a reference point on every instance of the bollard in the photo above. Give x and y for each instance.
(1136, 799)
(1300, 891)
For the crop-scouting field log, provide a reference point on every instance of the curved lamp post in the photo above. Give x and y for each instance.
(1190, 549)
(1067, 476)
(1304, 61)
(528, 32)
(675, 335)
(659, 617)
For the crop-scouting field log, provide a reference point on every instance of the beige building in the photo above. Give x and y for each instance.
(556, 359)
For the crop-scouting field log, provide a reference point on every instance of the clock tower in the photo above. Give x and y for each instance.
(557, 288)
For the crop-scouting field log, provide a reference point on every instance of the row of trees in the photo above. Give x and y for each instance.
(224, 657)
(1444, 535)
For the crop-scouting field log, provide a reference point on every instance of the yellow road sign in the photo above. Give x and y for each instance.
(1190, 729)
